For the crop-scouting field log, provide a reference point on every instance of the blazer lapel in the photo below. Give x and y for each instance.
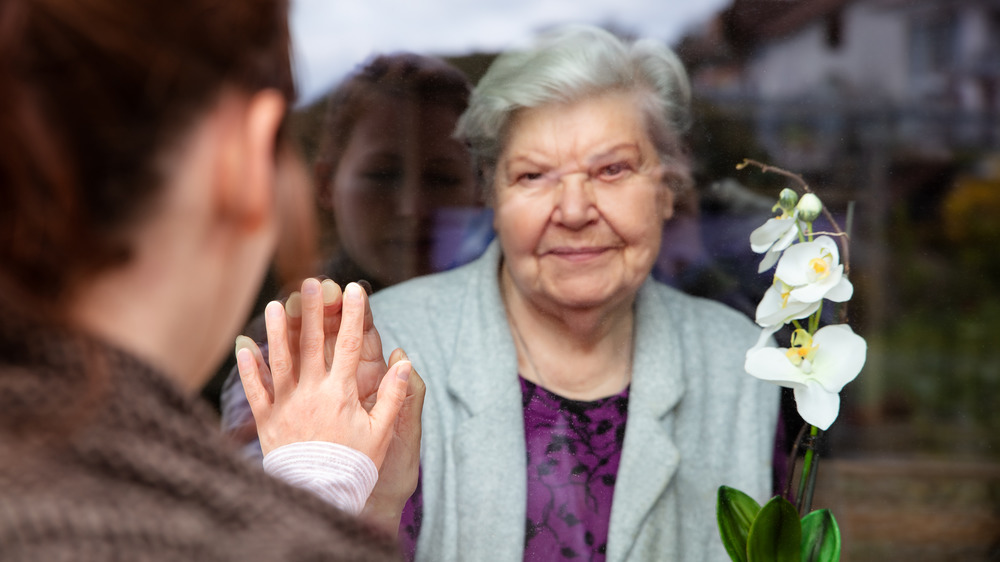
(649, 457)
(489, 445)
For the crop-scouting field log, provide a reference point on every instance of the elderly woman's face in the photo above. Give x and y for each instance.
(580, 204)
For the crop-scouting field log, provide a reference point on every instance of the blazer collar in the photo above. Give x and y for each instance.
(484, 339)
(484, 373)
(649, 457)
(483, 378)
(490, 454)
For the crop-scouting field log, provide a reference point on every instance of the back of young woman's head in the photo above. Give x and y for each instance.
(94, 93)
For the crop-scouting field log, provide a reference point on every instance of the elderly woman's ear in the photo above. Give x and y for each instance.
(670, 183)
(677, 184)
(668, 202)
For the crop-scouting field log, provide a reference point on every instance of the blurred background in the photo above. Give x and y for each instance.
(890, 106)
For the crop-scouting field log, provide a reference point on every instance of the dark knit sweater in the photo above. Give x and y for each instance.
(130, 468)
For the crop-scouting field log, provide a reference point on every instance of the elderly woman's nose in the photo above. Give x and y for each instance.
(575, 201)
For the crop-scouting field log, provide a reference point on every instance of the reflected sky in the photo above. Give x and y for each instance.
(330, 38)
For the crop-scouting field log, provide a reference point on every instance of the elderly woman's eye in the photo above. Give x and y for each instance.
(614, 171)
(529, 177)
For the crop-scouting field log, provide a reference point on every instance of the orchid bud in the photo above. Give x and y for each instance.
(787, 200)
(809, 207)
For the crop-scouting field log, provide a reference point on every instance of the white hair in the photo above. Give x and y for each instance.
(574, 63)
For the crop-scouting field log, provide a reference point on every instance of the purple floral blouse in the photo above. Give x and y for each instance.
(573, 451)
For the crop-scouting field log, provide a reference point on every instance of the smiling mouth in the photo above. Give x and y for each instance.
(577, 254)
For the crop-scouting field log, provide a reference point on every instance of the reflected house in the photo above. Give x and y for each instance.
(895, 105)
(924, 75)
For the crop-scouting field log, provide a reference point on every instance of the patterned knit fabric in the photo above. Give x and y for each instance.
(130, 468)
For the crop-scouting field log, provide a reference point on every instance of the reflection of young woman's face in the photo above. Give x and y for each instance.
(400, 166)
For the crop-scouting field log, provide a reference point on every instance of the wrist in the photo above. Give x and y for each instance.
(383, 513)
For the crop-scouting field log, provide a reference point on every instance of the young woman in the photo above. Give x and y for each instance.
(143, 171)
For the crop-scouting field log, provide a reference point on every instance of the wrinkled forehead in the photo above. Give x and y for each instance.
(579, 130)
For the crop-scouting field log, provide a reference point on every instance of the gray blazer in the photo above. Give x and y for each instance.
(696, 420)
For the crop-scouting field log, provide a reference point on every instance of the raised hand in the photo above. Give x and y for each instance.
(348, 396)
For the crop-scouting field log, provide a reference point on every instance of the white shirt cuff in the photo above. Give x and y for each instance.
(339, 475)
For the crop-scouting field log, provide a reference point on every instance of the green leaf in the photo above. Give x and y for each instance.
(735, 512)
(776, 534)
(820, 537)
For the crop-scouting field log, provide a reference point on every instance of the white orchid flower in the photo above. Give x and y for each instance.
(777, 307)
(806, 274)
(773, 237)
(815, 367)
(814, 272)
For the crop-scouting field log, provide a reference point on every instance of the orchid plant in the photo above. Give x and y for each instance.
(816, 365)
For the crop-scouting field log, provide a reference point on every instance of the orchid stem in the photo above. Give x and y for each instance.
(793, 458)
(810, 487)
(807, 483)
(814, 319)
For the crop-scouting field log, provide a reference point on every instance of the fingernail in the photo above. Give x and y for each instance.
(330, 291)
(403, 353)
(353, 291)
(243, 342)
(310, 286)
(274, 310)
(244, 360)
(293, 306)
(403, 370)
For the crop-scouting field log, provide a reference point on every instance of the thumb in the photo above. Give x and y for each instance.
(388, 401)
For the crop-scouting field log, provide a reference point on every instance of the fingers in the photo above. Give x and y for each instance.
(333, 300)
(408, 423)
(283, 371)
(258, 395)
(372, 350)
(321, 317)
(415, 388)
(391, 396)
(347, 350)
(397, 355)
(415, 392)
(312, 340)
(293, 326)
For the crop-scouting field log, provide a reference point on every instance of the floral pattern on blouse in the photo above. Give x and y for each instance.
(574, 448)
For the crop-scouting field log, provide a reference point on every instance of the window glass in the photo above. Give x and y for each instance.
(897, 128)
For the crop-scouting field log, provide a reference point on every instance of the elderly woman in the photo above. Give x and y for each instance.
(575, 407)
(146, 180)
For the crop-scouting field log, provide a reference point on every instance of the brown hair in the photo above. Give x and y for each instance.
(93, 93)
(426, 79)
